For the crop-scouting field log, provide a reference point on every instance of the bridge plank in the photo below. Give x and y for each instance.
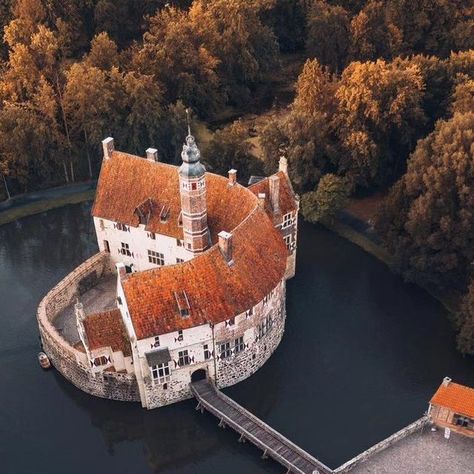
(255, 430)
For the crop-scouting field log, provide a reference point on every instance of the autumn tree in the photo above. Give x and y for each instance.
(379, 115)
(178, 59)
(427, 220)
(103, 52)
(327, 34)
(307, 134)
(326, 200)
(229, 148)
(373, 35)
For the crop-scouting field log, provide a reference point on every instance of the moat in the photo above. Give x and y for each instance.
(370, 352)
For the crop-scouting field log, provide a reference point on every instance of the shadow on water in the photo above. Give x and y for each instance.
(362, 354)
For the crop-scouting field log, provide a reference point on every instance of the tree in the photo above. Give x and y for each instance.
(427, 222)
(465, 338)
(103, 53)
(229, 148)
(373, 35)
(307, 134)
(329, 197)
(178, 59)
(88, 103)
(463, 97)
(246, 49)
(379, 116)
(327, 38)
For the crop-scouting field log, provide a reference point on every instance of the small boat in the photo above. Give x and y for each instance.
(44, 360)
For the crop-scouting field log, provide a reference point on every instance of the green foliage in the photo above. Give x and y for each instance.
(427, 220)
(465, 338)
(228, 149)
(329, 197)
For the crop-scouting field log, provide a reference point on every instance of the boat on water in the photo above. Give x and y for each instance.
(44, 360)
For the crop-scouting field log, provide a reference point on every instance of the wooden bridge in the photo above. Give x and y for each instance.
(251, 428)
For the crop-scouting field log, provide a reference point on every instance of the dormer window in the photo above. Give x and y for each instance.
(157, 342)
(183, 303)
(164, 213)
(180, 335)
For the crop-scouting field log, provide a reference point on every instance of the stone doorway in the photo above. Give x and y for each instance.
(200, 374)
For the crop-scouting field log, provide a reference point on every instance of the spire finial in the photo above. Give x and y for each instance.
(188, 120)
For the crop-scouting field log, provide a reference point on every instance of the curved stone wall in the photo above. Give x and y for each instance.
(70, 362)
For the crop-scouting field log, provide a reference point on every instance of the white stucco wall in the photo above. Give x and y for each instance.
(139, 243)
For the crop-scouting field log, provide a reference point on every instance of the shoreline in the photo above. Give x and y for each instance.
(36, 202)
(344, 226)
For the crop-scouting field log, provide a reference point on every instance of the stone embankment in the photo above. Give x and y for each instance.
(72, 363)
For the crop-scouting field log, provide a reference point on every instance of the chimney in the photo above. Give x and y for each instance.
(232, 177)
(152, 154)
(446, 381)
(108, 147)
(225, 245)
(274, 182)
(121, 270)
(283, 165)
(79, 311)
(261, 200)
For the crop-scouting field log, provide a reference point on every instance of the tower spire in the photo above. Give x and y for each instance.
(188, 120)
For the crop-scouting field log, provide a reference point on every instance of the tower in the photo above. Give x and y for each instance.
(192, 189)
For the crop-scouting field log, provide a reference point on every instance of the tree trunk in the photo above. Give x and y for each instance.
(66, 129)
(87, 153)
(6, 187)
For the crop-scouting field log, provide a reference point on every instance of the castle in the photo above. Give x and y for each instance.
(200, 265)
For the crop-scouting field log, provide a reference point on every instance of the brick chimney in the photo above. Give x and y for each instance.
(446, 381)
(152, 155)
(108, 147)
(274, 183)
(225, 245)
(232, 177)
(261, 200)
(283, 165)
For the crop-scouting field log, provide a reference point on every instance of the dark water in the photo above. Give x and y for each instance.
(362, 354)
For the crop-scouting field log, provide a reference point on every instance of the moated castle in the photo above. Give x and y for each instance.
(189, 282)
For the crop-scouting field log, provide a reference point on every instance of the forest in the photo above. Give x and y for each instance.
(383, 102)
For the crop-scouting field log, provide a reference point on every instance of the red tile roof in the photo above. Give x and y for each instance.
(106, 329)
(127, 182)
(288, 199)
(458, 398)
(215, 290)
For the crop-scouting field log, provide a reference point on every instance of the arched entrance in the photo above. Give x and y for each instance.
(199, 374)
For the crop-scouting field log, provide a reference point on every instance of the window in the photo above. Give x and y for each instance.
(463, 421)
(265, 300)
(151, 235)
(207, 352)
(180, 335)
(102, 360)
(249, 313)
(239, 345)
(157, 342)
(287, 221)
(264, 327)
(289, 242)
(179, 242)
(156, 257)
(161, 373)
(106, 246)
(101, 224)
(179, 260)
(122, 227)
(125, 250)
(224, 350)
(194, 186)
(183, 358)
(231, 321)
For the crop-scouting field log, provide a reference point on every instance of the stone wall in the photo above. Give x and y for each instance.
(242, 365)
(376, 448)
(70, 362)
